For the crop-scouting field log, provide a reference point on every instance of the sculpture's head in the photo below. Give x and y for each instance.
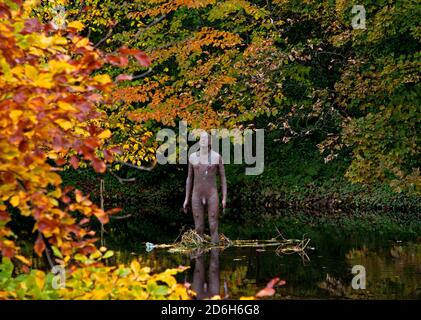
(205, 140)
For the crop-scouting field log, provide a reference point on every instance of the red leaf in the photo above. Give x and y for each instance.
(60, 162)
(4, 11)
(84, 221)
(101, 215)
(99, 166)
(116, 150)
(123, 77)
(25, 269)
(20, 97)
(120, 61)
(272, 282)
(114, 210)
(31, 25)
(143, 59)
(108, 155)
(74, 161)
(8, 252)
(23, 146)
(39, 246)
(8, 177)
(4, 216)
(125, 50)
(266, 292)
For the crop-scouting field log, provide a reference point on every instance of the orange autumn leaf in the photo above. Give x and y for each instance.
(39, 246)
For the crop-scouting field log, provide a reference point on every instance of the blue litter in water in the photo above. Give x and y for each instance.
(149, 246)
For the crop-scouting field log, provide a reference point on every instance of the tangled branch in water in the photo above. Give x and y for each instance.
(191, 242)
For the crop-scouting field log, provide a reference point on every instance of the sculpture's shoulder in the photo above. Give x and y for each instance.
(216, 158)
(194, 158)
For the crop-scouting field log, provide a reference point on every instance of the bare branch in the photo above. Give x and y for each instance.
(157, 20)
(120, 179)
(144, 74)
(109, 33)
(138, 167)
(121, 217)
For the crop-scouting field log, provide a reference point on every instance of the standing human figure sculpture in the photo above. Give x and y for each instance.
(201, 187)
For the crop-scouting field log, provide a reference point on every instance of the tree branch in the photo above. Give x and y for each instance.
(157, 20)
(144, 74)
(138, 167)
(121, 217)
(110, 31)
(120, 179)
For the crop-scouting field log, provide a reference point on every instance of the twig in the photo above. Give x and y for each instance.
(110, 31)
(182, 229)
(144, 74)
(121, 217)
(101, 187)
(157, 20)
(120, 179)
(138, 167)
(47, 252)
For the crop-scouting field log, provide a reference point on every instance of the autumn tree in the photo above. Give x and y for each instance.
(289, 66)
(49, 117)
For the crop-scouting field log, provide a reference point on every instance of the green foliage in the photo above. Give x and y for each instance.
(93, 282)
(33, 285)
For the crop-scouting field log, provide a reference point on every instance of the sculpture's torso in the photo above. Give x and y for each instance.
(201, 186)
(204, 181)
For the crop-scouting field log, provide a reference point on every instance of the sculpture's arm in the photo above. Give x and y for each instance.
(223, 182)
(189, 186)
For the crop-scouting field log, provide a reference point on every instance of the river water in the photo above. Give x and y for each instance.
(392, 269)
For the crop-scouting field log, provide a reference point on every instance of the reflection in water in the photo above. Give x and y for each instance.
(206, 287)
(393, 269)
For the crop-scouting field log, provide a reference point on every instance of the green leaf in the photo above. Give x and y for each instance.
(108, 254)
(57, 252)
(160, 290)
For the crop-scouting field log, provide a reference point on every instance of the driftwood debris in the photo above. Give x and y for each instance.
(191, 242)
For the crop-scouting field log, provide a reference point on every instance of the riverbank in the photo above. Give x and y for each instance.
(152, 206)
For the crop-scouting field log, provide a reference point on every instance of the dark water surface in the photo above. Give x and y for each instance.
(393, 269)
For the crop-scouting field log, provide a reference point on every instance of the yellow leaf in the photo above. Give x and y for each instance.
(60, 66)
(66, 106)
(103, 78)
(40, 279)
(52, 155)
(77, 25)
(59, 40)
(135, 266)
(81, 131)
(53, 201)
(105, 134)
(31, 72)
(14, 201)
(65, 124)
(23, 259)
(44, 80)
(80, 42)
(79, 197)
(15, 114)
